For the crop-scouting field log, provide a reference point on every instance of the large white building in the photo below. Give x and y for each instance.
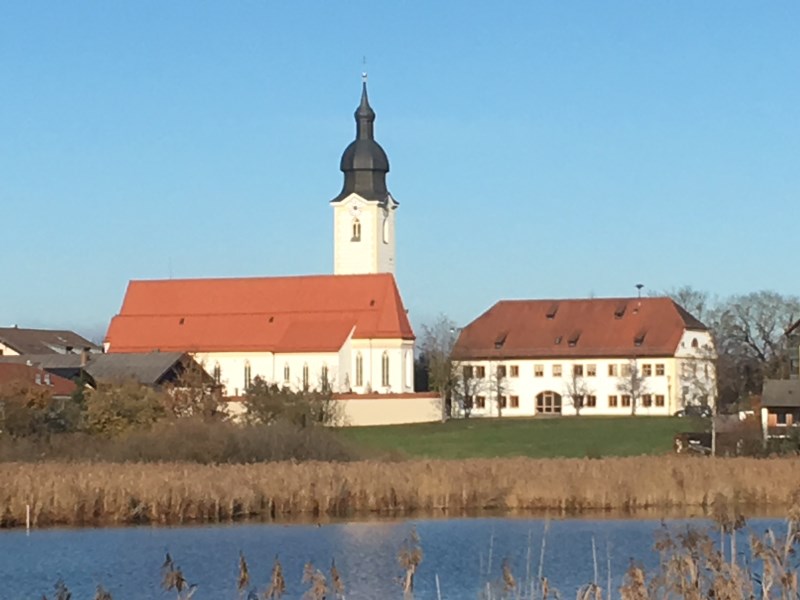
(348, 331)
(644, 356)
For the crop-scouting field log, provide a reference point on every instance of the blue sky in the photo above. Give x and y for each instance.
(538, 149)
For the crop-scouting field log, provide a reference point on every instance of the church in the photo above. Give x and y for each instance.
(348, 331)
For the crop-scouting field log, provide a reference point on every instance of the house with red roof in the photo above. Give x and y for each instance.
(30, 375)
(599, 356)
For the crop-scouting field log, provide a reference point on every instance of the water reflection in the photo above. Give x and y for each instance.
(464, 553)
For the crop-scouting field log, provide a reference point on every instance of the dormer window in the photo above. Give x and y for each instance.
(573, 339)
(356, 231)
(500, 340)
(619, 311)
(551, 312)
(639, 339)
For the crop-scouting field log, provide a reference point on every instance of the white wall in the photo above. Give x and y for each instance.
(602, 385)
(370, 254)
(7, 351)
(341, 367)
(375, 410)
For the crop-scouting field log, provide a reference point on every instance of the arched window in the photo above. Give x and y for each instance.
(287, 373)
(323, 378)
(305, 376)
(217, 373)
(248, 380)
(385, 370)
(386, 230)
(356, 231)
(359, 370)
(548, 403)
(695, 343)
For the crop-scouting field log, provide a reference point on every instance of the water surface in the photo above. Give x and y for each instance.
(464, 553)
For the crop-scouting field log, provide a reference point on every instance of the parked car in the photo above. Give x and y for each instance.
(695, 410)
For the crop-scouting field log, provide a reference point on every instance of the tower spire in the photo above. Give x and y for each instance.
(365, 116)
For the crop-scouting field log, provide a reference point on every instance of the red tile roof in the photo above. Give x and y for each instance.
(267, 314)
(606, 327)
(20, 373)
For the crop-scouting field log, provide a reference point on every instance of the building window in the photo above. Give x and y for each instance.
(217, 373)
(591, 401)
(359, 370)
(503, 401)
(305, 376)
(548, 403)
(323, 377)
(625, 370)
(356, 231)
(514, 401)
(695, 343)
(514, 370)
(386, 230)
(781, 417)
(591, 370)
(538, 370)
(385, 370)
(612, 402)
(501, 371)
(577, 370)
(647, 400)
(480, 372)
(626, 400)
(480, 401)
(467, 372)
(659, 400)
(287, 373)
(660, 369)
(647, 370)
(612, 370)
(248, 379)
(556, 370)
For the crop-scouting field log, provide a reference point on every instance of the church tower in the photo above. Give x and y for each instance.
(364, 211)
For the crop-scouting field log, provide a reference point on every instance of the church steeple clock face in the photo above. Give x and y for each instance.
(355, 208)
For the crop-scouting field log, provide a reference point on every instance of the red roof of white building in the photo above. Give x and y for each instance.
(596, 327)
(266, 314)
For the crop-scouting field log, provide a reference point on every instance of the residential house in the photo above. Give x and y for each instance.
(780, 407)
(153, 369)
(28, 375)
(15, 341)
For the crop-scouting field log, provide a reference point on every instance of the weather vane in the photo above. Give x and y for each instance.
(364, 72)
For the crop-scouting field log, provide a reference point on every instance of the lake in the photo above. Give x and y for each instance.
(464, 553)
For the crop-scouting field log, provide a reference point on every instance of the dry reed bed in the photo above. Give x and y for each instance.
(170, 493)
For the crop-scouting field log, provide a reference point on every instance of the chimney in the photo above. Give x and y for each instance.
(84, 357)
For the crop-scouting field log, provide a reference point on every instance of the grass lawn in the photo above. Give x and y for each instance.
(533, 437)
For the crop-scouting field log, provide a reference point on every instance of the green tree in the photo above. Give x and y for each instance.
(115, 408)
(266, 403)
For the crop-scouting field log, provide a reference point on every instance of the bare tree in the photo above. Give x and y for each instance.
(577, 389)
(497, 387)
(436, 357)
(698, 303)
(632, 384)
(467, 387)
